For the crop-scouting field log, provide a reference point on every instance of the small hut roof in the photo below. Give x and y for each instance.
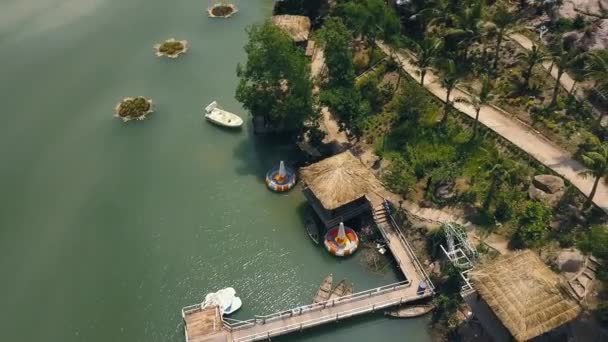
(296, 26)
(524, 294)
(339, 180)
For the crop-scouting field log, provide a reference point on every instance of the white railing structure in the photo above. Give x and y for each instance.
(408, 248)
(326, 318)
(460, 253)
(263, 319)
(467, 287)
(360, 301)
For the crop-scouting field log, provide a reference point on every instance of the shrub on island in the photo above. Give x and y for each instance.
(131, 108)
(171, 48)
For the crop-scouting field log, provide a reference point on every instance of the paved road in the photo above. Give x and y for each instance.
(518, 133)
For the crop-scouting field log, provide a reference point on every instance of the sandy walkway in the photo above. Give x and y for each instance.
(521, 135)
(329, 125)
(566, 80)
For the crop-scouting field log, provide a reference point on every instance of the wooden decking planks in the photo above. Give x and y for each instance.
(205, 325)
(339, 311)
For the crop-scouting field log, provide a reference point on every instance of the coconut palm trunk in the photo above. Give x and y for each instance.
(528, 75)
(422, 74)
(476, 123)
(589, 201)
(447, 106)
(498, 44)
(560, 72)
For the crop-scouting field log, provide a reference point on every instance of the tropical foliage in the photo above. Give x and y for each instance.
(597, 163)
(274, 83)
(133, 107)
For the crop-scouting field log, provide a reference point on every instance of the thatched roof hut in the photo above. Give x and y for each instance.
(524, 294)
(339, 180)
(296, 26)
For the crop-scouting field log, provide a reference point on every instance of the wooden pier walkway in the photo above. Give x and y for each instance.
(300, 318)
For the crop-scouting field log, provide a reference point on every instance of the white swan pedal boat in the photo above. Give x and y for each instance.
(221, 117)
(225, 299)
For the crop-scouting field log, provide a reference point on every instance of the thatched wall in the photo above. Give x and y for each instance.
(296, 26)
(525, 294)
(339, 180)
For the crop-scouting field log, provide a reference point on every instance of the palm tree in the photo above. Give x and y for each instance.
(597, 69)
(504, 21)
(450, 78)
(427, 52)
(563, 58)
(597, 163)
(391, 35)
(530, 58)
(467, 27)
(479, 99)
(502, 170)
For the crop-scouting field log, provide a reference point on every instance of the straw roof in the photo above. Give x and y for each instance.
(339, 180)
(296, 26)
(524, 294)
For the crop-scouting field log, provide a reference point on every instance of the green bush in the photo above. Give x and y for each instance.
(426, 156)
(416, 105)
(368, 87)
(533, 226)
(400, 176)
(595, 241)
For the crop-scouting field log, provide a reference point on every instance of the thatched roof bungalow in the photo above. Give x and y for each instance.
(338, 187)
(525, 296)
(296, 26)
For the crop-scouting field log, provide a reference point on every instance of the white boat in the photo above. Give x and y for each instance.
(235, 305)
(221, 117)
(225, 299)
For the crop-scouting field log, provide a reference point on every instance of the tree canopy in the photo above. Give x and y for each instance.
(338, 57)
(275, 82)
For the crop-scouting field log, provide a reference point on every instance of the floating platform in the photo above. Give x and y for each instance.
(281, 178)
(341, 241)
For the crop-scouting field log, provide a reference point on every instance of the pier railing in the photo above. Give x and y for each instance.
(328, 318)
(262, 319)
(409, 249)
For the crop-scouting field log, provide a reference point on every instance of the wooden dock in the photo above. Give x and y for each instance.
(300, 318)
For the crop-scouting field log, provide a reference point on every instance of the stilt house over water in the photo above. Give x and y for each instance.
(338, 188)
(519, 296)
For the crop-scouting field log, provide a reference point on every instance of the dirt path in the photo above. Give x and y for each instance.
(328, 124)
(518, 133)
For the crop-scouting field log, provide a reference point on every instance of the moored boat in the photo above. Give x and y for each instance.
(225, 299)
(410, 311)
(221, 117)
(324, 290)
(312, 229)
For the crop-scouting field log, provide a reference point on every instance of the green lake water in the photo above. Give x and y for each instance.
(107, 229)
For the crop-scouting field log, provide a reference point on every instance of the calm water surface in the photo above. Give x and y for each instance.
(108, 229)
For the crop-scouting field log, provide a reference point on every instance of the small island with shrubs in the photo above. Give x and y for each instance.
(131, 108)
(222, 10)
(171, 48)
